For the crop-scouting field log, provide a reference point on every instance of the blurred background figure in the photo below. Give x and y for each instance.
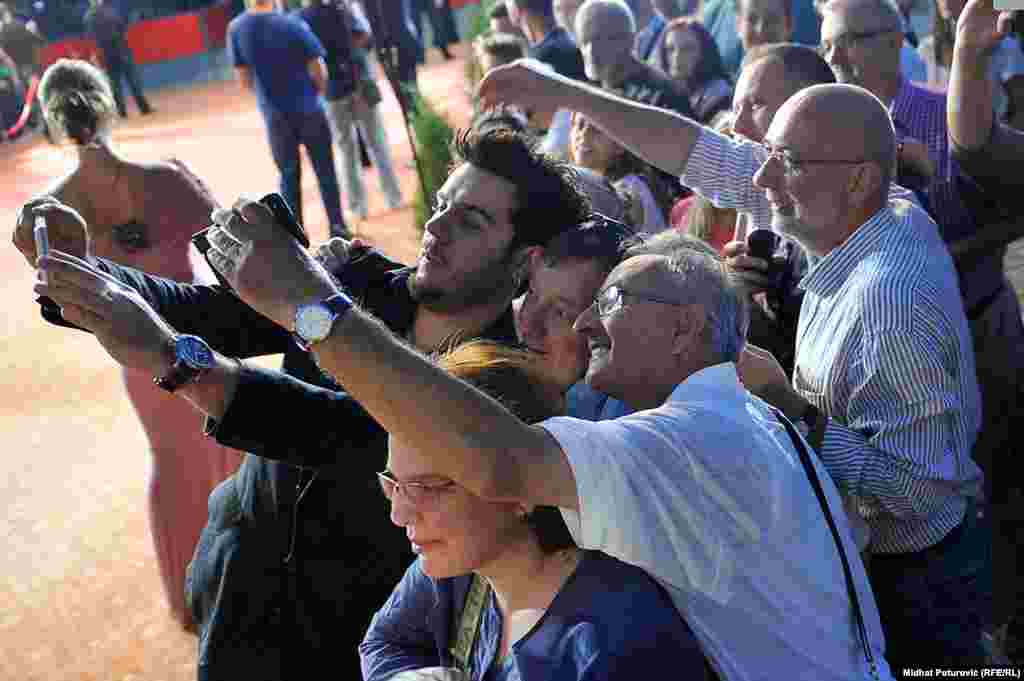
(351, 103)
(110, 30)
(648, 199)
(565, 15)
(442, 23)
(143, 215)
(649, 38)
(1006, 67)
(500, 22)
(759, 22)
(688, 54)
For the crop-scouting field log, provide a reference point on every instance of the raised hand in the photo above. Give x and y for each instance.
(524, 83)
(127, 327)
(66, 229)
(980, 27)
(265, 265)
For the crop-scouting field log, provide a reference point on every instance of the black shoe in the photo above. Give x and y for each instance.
(447, 55)
(147, 110)
(341, 230)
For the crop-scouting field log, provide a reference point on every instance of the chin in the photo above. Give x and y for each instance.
(438, 566)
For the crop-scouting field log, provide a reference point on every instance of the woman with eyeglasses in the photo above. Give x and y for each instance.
(500, 592)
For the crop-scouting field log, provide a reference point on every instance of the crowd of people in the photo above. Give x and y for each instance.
(702, 370)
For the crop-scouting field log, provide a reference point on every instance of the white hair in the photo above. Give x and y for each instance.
(615, 6)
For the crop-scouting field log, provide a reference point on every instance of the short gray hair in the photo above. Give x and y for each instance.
(616, 6)
(695, 274)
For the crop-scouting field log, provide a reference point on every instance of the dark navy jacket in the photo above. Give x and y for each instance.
(299, 550)
(610, 621)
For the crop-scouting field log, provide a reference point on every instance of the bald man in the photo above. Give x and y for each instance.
(885, 357)
(605, 31)
(884, 381)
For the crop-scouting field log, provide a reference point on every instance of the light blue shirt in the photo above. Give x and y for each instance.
(708, 495)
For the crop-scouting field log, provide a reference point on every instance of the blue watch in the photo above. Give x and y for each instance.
(313, 323)
(192, 358)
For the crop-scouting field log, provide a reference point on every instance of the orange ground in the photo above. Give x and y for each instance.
(80, 596)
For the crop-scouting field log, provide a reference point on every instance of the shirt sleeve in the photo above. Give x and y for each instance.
(897, 444)
(266, 399)
(310, 43)
(399, 637)
(667, 509)
(722, 170)
(235, 55)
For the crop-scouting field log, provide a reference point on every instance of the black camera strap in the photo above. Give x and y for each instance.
(805, 459)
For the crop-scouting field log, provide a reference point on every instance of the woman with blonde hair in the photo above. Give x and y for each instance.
(500, 591)
(143, 214)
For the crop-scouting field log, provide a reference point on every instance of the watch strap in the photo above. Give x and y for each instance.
(180, 372)
(338, 304)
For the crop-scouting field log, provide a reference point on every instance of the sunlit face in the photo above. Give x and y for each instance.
(682, 53)
(590, 147)
(857, 48)
(759, 22)
(565, 13)
(605, 42)
(808, 200)
(545, 314)
(761, 89)
(454, 531)
(631, 348)
(465, 258)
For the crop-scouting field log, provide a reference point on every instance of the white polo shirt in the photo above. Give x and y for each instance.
(708, 495)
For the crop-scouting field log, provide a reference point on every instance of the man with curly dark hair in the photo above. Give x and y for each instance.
(298, 552)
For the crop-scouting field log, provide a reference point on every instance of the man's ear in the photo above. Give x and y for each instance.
(690, 325)
(525, 259)
(864, 181)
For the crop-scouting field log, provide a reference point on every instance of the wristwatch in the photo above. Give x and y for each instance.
(314, 322)
(192, 358)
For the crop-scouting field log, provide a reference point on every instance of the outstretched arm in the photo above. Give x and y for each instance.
(644, 130)
(469, 436)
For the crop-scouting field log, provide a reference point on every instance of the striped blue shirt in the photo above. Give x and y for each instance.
(883, 349)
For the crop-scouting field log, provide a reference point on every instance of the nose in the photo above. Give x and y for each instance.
(767, 175)
(743, 123)
(586, 320)
(438, 225)
(402, 512)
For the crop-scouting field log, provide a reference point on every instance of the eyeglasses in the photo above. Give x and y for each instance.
(792, 166)
(845, 41)
(610, 299)
(418, 494)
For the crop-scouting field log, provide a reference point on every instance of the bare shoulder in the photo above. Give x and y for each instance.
(177, 182)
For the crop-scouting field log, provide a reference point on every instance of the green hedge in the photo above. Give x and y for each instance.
(434, 149)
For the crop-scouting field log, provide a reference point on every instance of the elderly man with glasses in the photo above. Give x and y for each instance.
(706, 487)
(884, 377)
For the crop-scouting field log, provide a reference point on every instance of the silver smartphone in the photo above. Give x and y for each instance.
(42, 241)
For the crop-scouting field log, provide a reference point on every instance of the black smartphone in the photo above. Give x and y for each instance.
(282, 213)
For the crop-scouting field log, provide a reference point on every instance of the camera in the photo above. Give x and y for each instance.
(282, 214)
(764, 244)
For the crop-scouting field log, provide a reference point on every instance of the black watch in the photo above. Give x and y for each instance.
(192, 358)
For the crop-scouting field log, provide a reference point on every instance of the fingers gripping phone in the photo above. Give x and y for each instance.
(282, 214)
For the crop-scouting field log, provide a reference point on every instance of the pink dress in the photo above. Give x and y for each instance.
(186, 464)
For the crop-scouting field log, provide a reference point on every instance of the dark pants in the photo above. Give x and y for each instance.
(286, 133)
(120, 65)
(442, 22)
(934, 603)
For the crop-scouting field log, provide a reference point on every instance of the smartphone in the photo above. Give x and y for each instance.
(42, 241)
(282, 213)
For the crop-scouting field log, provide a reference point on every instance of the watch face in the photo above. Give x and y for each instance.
(194, 352)
(313, 323)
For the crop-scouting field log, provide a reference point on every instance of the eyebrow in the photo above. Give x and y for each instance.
(418, 479)
(469, 207)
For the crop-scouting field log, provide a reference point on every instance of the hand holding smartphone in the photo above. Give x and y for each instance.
(282, 214)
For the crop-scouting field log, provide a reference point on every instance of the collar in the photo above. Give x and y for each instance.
(829, 273)
(720, 379)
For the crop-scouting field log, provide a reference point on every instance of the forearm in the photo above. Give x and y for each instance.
(897, 482)
(658, 136)
(969, 111)
(265, 398)
(469, 437)
(214, 391)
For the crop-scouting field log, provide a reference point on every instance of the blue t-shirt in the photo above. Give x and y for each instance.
(332, 25)
(276, 48)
